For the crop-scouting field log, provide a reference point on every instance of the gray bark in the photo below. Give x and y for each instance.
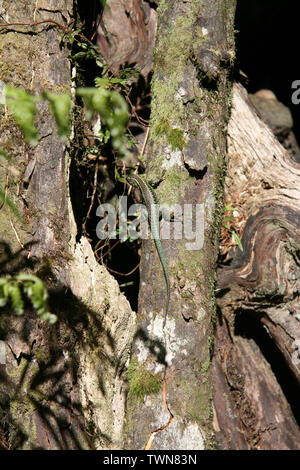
(62, 387)
(185, 160)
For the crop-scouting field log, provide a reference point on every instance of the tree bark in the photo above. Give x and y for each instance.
(256, 360)
(62, 387)
(190, 385)
(185, 161)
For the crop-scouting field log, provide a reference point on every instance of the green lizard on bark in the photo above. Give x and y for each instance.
(151, 202)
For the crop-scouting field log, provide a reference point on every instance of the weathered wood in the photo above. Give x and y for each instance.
(259, 288)
(126, 34)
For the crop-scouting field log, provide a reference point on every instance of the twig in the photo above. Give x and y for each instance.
(145, 140)
(111, 248)
(64, 28)
(122, 274)
(165, 426)
(93, 195)
(16, 234)
(143, 122)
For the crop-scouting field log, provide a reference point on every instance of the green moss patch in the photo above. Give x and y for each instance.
(141, 381)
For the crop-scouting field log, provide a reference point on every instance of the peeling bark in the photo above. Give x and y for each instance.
(128, 41)
(259, 287)
(62, 387)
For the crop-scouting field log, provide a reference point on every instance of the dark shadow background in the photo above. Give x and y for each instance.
(267, 45)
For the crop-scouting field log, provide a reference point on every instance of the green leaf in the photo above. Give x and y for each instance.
(238, 241)
(3, 292)
(10, 204)
(103, 82)
(227, 219)
(3, 280)
(49, 317)
(78, 55)
(113, 110)
(16, 299)
(60, 106)
(104, 136)
(11, 289)
(22, 105)
(228, 207)
(100, 61)
(38, 295)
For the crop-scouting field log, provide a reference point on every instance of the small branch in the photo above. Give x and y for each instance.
(145, 140)
(93, 195)
(64, 28)
(122, 274)
(165, 426)
(140, 120)
(16, 234)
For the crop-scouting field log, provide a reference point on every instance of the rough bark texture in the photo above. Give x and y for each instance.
(256, 361)
(62, 386)
(128, 41)
(185, 160)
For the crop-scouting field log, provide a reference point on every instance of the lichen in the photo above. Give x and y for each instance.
(174, 186)
(191, 259)
(196, 401)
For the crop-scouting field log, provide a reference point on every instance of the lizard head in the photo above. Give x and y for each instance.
(134, 180)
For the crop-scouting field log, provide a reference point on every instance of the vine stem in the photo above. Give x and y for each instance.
(56, 23)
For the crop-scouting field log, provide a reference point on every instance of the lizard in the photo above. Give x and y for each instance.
(151, 202)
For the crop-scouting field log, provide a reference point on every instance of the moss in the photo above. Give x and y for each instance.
(5, 71)
(197, 402)
(161, 7)
(11, 136)
(22, 411)
(192, 260)
(205, 367)
(175, 136)
(176, 139)
(197, 406)
(141, 381)
(4, 323)
(42, 355)
(54, 88)
(17, 53)
(174, 186)
(45, 269)
(171, 54)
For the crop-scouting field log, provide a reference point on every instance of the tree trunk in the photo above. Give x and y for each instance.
(170, 388)
(224, 376)
(256, 360)
(62, 386)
